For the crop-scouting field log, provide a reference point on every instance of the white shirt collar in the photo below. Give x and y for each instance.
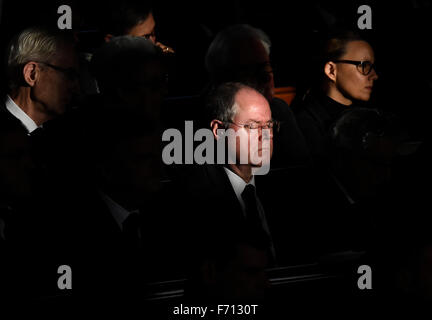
(238, 184)
(18, 113)
(119, 213)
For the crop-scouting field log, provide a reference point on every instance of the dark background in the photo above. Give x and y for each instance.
(401, 35)
(401, 32)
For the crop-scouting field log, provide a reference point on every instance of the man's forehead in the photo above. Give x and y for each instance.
(248, 96)
(253, 110)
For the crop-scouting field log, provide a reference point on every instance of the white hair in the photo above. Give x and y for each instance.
(32, 44)
(220, 50)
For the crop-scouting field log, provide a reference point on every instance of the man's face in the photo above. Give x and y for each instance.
(144, 29)
(252, 108)
(146, 89)
(58, 82)
(251, 64)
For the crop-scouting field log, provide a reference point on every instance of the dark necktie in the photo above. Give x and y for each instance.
(253, 218)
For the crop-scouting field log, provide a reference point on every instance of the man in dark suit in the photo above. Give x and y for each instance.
(243, 114)
(42, 68)
(241, 53)
(121, 130)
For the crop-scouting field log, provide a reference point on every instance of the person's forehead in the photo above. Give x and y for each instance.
(359, 50)
(144, 27)
(250, 101)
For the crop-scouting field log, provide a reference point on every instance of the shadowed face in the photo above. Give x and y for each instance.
(58, 82)
(252, 108)
(251, 64)
(144, 29)
(143, 89)
(349, 81)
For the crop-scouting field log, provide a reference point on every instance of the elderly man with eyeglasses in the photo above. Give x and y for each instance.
(241, 113)
(42, 67)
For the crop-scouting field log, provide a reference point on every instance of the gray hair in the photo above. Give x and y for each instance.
(32, 44)
(220, 50)
(221, 104)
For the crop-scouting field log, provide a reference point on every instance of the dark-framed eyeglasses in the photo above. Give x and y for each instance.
(70, 73)
(272, 125)
(364, 67)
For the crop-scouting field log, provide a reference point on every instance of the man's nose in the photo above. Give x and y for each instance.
(373, 75)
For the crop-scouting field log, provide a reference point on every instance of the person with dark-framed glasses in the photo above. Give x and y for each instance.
(365, 67)
(345, 79)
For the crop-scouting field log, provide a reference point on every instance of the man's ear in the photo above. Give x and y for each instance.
(330, 70)
(108, 37)
(215, 125)
(30, 73)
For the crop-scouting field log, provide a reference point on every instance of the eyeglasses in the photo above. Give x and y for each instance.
(272, 125)
(70, 73)
(364, 67)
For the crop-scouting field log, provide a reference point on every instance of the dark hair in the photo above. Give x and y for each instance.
(331, 48)
(335, 45)
(124, 15)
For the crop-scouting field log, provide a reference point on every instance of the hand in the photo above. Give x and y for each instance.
(165, 49)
